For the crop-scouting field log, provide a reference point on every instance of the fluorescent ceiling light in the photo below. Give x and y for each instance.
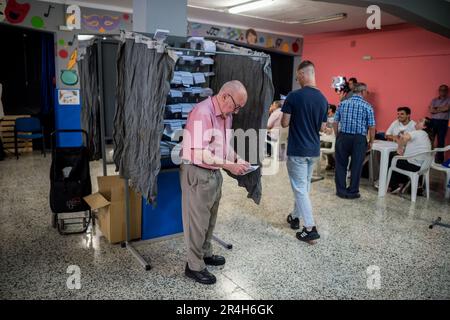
(339, 16)
(250, 6)
(84, 37)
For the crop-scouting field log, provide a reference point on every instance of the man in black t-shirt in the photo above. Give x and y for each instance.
(305, 112)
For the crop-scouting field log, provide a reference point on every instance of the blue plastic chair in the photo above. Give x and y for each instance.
(28, 125)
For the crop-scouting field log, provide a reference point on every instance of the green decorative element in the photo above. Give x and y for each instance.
(37, 22)
(61, 42)
(69, 77)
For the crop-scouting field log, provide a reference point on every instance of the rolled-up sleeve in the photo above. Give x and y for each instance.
(337, 116)
(371, 117)
(287, 105)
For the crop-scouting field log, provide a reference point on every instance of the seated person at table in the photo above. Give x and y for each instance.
(274, 123)
(402, 124)
(329, 131)
(411, 143)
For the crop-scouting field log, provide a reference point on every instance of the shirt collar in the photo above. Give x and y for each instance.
(355, 96)
(217, 111)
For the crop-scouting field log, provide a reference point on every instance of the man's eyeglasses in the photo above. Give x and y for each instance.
(236, 106)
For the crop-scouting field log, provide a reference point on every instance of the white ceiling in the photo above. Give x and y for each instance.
(213, 11)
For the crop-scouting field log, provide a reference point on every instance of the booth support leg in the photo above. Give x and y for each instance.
(224, 244)
(127, 244)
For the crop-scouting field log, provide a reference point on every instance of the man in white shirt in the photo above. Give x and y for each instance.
(411, 143)
(402, 124)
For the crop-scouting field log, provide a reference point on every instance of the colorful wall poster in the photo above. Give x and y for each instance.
(69, 97)
(250, 36)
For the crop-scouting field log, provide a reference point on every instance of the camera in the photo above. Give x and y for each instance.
(340, 84)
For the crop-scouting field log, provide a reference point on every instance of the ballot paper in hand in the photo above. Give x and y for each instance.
(250, 169)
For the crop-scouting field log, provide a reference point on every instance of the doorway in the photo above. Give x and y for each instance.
(27, 74)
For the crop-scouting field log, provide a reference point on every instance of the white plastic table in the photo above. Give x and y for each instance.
(385, 148)
(327, 137)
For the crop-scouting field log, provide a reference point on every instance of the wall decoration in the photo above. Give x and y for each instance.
(278, 43)
(50, 7)
(2, 10)
(233, 34)
(49, 16)
(72, 60)
(249, 36)
(63, 54)
(70, 43)
(69, 77)
(296, 45)
(37, 22)
(69, 97)
(100, 23)
(16, 12)
(213, 31)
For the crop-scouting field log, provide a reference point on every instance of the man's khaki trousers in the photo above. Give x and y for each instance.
(201, 193)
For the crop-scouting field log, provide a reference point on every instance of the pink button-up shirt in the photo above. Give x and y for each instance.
(206, 129)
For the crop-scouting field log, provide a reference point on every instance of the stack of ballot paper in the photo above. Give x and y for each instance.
(175, 93)
(188, 58)
(173, 128)
(207, 61)
(166, 147)
(206, 92)
(183, 77)
(196, 90)
(199, 77)
(177, 79)
(183, 108)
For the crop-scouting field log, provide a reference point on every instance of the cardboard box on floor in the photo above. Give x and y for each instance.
(110, 202)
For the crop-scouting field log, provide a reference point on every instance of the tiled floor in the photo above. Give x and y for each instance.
(266, 262)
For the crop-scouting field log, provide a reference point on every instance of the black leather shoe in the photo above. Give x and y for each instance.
(342, 196)
(214, 260)
(353, 196)
(294, 223)
(204, 276)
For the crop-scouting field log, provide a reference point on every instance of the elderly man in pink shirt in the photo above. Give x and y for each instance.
(206, 150)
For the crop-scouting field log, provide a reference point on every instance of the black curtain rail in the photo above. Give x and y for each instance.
(218, 52)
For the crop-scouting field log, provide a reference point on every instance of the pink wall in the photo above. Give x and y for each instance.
(408, 65)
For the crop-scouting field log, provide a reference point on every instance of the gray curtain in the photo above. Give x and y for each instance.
(90, 107)
(143, 82)
(256, 75)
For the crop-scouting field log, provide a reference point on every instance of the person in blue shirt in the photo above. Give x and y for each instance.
(353, 120)
(305, 113)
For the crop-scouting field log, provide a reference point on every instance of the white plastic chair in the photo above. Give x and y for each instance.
(283, 142)
(279, 147)
(414, 176)
(326, 151)
(440, 167)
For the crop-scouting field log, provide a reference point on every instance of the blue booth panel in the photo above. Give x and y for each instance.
(165, 218)
(68, 116)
